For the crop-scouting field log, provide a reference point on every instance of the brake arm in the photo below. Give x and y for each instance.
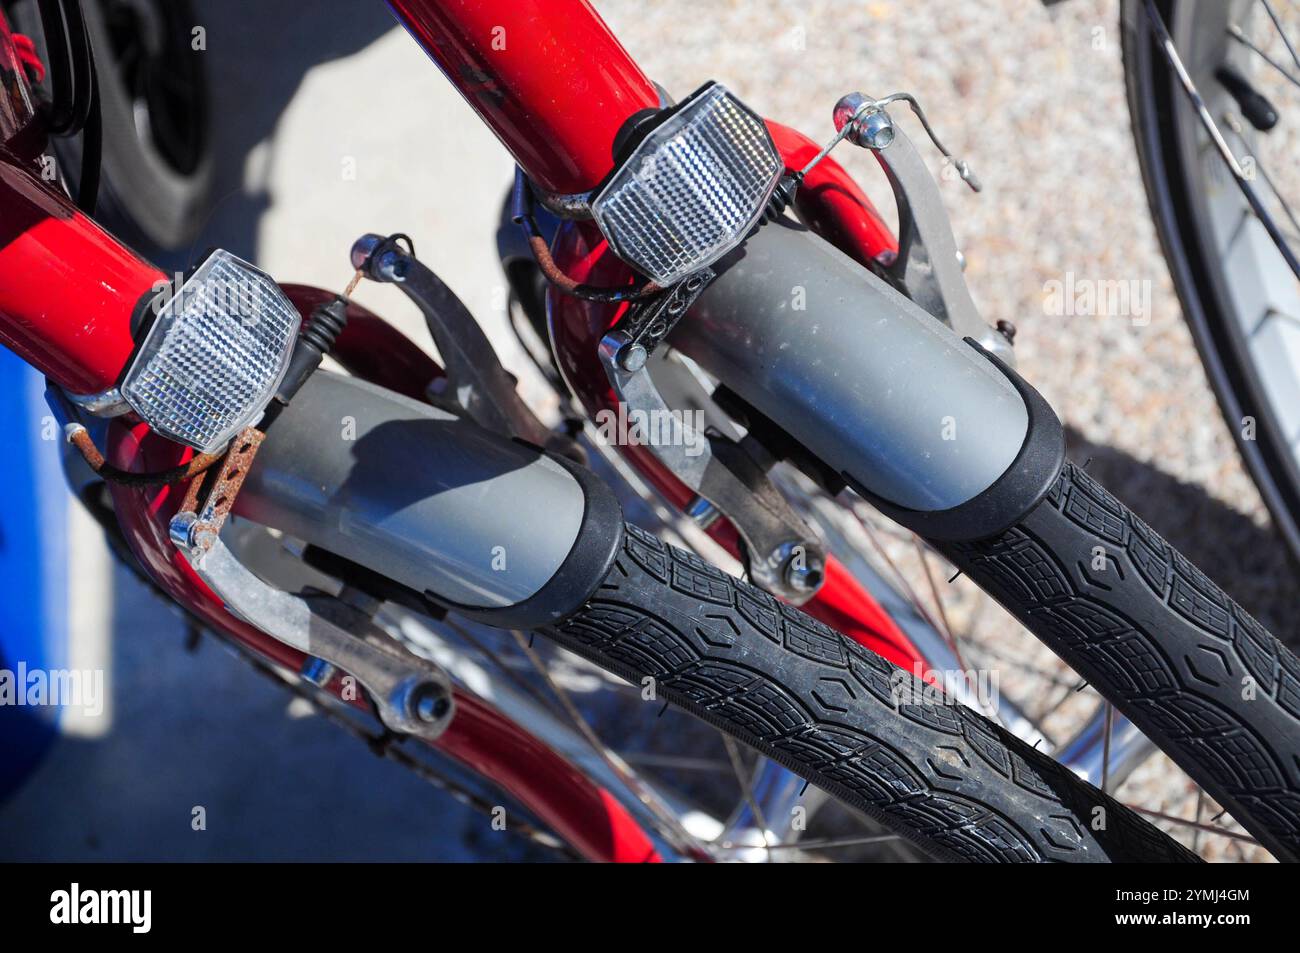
(412, 695)
(476, 379)
(928, 268)
(782, 554)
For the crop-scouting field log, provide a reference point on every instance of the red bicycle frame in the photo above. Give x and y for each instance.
(490, 52)
(555, 86)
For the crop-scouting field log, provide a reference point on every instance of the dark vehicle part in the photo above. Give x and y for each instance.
(1192, 237)
(433, 501)
(872, 735)
(1152, 633)
(153, 101)
(1174, 654)
(912, 413)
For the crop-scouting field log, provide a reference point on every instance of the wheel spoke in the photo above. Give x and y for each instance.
(1211, 128)
(1235, 125)
(386, 745)
(1236, 33)
(938, 602)
(1195, 825)
(1277, 23)
(744, 779)
(671, 826)
(898, 574)
(1105, 747)
(1052, 678)
(504, 667)
(824, 843)
(1200, 805)
(704, 765)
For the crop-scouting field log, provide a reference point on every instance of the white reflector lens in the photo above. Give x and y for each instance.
(692, 189)
(215, 355)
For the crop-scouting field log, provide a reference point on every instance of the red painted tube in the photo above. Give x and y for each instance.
(584, 814)
(547, 76)
(581, 812)
(831, 202)
(67, 287)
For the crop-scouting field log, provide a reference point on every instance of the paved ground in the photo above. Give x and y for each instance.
(1033, 99)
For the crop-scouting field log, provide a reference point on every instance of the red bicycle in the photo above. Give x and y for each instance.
(663, 239)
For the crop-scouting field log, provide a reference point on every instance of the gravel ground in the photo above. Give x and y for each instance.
(1034, 99)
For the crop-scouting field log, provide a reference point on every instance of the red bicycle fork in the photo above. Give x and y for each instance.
(68, 291)
(553, 83)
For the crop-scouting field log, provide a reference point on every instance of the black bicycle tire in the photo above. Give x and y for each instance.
(1202, 678)
(940, 775)
(141, 197)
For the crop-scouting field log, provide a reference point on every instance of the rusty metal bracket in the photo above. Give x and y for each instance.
(410, 694)
(211, 496)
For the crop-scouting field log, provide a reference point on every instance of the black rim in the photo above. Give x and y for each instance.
(1196, 280)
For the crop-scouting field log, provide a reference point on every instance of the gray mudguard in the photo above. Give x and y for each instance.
(431, 500)
(865, 379)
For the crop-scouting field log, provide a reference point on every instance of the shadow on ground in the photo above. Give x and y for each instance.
(258, 54)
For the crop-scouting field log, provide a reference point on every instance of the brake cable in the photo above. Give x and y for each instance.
(521, 213)
(75, 105)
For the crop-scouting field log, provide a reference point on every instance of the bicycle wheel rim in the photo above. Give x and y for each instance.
(1191, 195)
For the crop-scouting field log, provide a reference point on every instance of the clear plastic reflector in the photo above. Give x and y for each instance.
(692, 189)
(215, 354)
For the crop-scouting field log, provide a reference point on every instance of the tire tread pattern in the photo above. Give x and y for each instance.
(844, 718)
(1157, 637)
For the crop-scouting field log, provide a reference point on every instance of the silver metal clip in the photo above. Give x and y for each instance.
(782, 554)
(928, 267)
(412, 695)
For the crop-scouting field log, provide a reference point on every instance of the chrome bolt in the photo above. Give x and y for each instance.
(875, 130)
(803, 577)
(633, 357)
(431, 705)
(391, 266)
(868, 124)
(704, 513)
(188, 533)
(180, 529)
(317, 671)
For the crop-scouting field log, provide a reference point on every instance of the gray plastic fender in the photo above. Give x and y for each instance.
(477, 522)
(869, 382)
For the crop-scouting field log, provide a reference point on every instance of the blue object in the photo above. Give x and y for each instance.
(34, 502)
